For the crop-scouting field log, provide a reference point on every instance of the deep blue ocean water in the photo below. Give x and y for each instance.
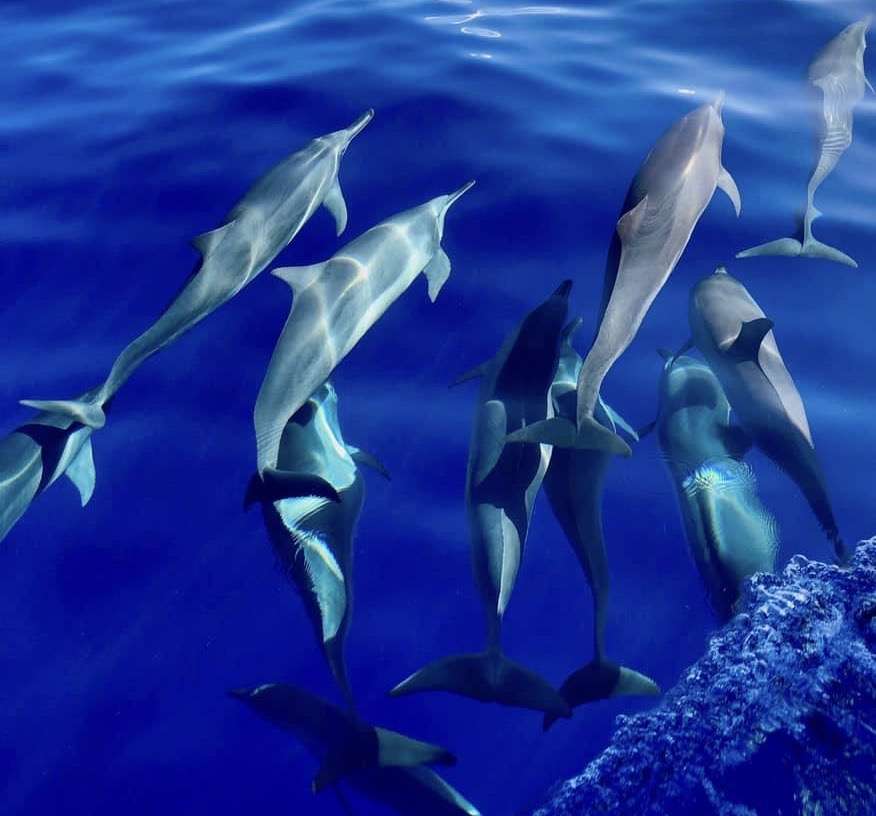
(127, 128)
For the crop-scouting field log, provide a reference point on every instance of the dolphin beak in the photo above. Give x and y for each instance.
(359, 125)
(459, 193)
(718, 103)
(563, 289)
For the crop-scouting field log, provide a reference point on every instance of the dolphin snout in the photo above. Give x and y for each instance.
(460, 192)
(718, 103)
(359, 125)
(563, 289)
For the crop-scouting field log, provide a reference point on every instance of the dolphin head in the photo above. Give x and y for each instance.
(341, 139)
(687, 382)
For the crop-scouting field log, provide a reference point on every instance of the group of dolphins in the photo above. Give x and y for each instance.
(540, 419)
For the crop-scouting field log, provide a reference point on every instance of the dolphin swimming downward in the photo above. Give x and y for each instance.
(668, 195)
(838, 72)
(501, 485)
(259, 226)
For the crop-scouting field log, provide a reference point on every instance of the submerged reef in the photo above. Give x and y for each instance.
(778, 717)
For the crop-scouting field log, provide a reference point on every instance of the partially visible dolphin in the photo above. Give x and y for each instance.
(730, 534)
(383, 764)
(663, 205)
(258, 227)
(312, 535)
(574, 485)
(838, 72)
(501, 485)
(736, 338)
(337, 301)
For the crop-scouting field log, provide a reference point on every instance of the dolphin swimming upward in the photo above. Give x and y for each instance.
(259, 226)
(337, 301)
(574, 485)
(735, 337)
(729, 532)
(313, 535)
(383, 764)
(501, 485)
(838, 72)
(665, 200)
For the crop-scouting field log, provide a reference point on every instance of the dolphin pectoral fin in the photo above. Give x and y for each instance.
(617, 420)
(472, 374)
(437, 272)
(207, 241)
(274, 485)
(81, 472)
(646, 430)
(569, 330)
(397, 750)
(436, 788)
(335, 204)
(493, 425)
(736, 440)
(789, 247)
(746, 346)
(726, 183)
(813, 248)
(629, 223)
(362, 457)
(298, 277)
(86, 413)
(688, 344)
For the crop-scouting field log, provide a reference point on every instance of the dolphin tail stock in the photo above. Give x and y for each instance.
(489, 677)
(600, 680)
(561, 433)
(87, 411)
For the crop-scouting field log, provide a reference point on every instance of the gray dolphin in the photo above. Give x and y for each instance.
(259, 226)
(383, 764)
(736, 338)
(838, 72)
(337, 301)
(574, 486)
(501, 485)
(664, 203)
(730, 534)
(313, 535)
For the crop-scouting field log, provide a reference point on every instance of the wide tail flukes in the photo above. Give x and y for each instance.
(86, 413)
(792, 248)
(561, 433)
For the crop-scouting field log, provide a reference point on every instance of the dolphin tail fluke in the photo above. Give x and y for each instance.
(86, 413)
(488, 677)
(559, 432)
(813, 248)
(789, 247)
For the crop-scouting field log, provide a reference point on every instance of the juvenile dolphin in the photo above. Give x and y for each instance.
(663, 205)
(259, 226)
(313, 535)
(574, 485)
(838, 72)
(501, 485)
(337, 301)
(385, 765)
(736, 338)
(730, 534)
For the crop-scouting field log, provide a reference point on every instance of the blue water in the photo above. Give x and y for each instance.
(127, 128)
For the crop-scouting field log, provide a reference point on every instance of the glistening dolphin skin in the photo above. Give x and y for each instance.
(313, 535)
(736, 338)
(838, 73)
(259, 226)
(729, 532)
(664, 203)
(574, 485)
(383, 764)
(502, 482)
(337, 301)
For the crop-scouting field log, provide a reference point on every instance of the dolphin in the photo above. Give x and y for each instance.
(501, 485)
(574, 485)
(730, 534)
(668, 195)
(838, 72)
(35, 455)
(337, 301)
(258, 227)
(737, 340)
(383, 764)
(312, 535)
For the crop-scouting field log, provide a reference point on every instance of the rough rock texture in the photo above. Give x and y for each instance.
(779, 717)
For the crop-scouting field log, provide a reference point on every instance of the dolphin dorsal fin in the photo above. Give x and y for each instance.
(206, 241)
(81, 472)
(472, 374)
(747, 343)
(726, 183)
(437, 272)
(335, 204)
(299, 277)
(629, 223)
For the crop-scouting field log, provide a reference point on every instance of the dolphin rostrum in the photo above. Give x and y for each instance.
(501, 485)
(383, 764)
(574, 486)
(838, 72)
(337, 301)
(730, 534)
(259, 226)
(736, 338)
(313, 535)
(666, 199)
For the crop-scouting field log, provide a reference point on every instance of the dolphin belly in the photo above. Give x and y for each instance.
(21, 473)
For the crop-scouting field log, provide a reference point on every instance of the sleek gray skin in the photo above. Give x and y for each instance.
(259, 226)
(502, 482)
(313, 535)
(37, 453)
(382, 764)
(735, 337)
(731, 535)
(838, 73)
(337, 301)
(664, 203)
(574, 485)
